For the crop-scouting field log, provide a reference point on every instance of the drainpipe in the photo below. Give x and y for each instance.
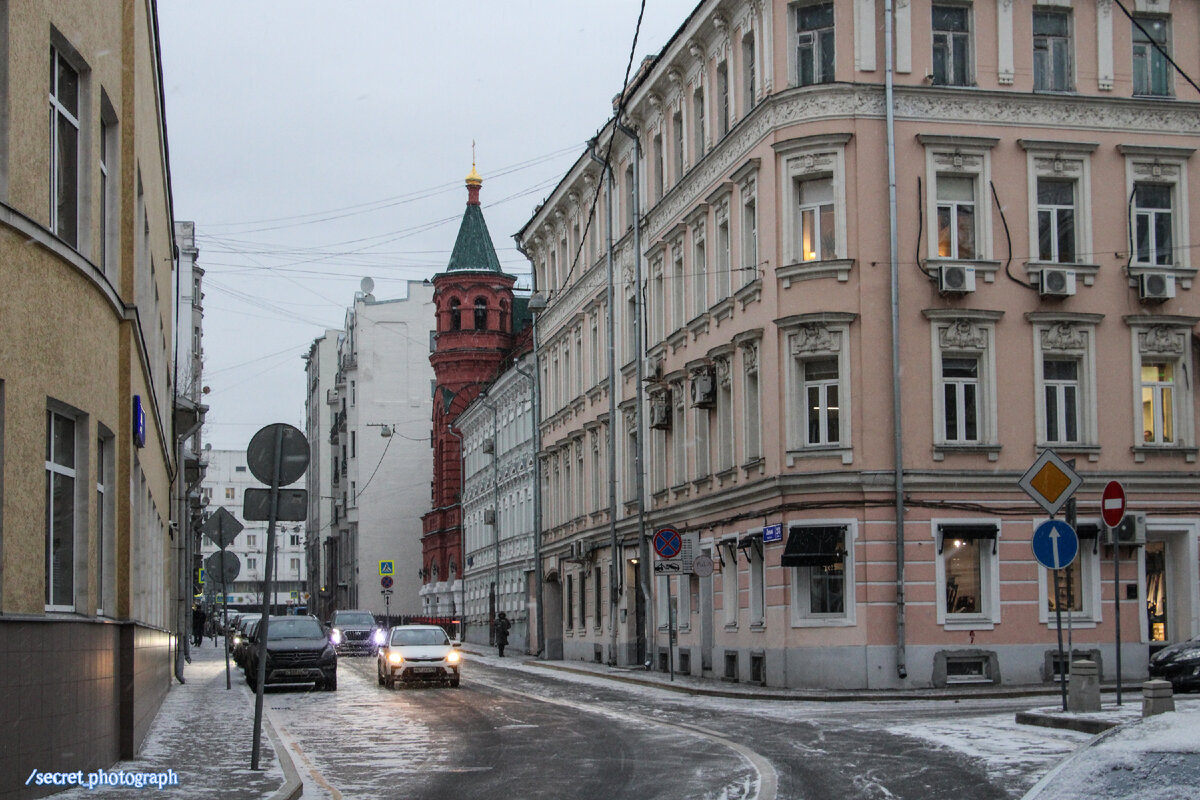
(462, 537)
(614, 578)
(894, 257)
(639, 389)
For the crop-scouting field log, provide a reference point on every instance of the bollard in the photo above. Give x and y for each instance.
(1157, 698)
(1083, 689)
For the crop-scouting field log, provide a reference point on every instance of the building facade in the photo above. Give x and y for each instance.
(227, 477)
(497, 507)
(379, 413)
(840, 415)
(90, 560)
(320, 370)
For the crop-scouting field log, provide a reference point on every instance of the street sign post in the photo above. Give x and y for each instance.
(1055, 544)
(292, 505)
(222, 527)
(387, 567)
(668, 545)
(1050, 482)
(1112, 511)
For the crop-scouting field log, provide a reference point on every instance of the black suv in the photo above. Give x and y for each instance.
(298, 651)
(355, 632)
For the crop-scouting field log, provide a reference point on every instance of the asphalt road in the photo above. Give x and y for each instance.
(527, 734)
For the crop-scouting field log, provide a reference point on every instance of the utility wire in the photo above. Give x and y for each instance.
(1156, 45)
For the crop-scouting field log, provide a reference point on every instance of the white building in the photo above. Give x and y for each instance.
(225, 485)
(497, 431)
(380, 457)
(320, 369)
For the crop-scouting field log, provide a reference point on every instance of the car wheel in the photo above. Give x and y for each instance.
(379, 672)
(454, 683)
(329, 683)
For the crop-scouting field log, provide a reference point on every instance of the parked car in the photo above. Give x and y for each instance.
(243, 638)
(418, 654)
(298, 651)
(1179, 664)
(355, 632)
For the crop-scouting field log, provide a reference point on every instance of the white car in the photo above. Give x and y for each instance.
(418, 654)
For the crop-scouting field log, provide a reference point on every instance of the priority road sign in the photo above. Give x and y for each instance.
(387, 567)
(1050, 482)
(1055, 544)
(1112, 504)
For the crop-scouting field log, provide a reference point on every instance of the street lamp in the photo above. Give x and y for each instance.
(537, 304)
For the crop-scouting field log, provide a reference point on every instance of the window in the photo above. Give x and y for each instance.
(964, 368)
(105, 524)
(814, 201)
(630, 197)
(951, 45)
(456, 314)
(751, 412)
(294, 539)
(252, 564)
(658, 167)
(1056, 220)
(814, 44)
(677, 140)
(748, 67)
(658, 302)
(697, 125)
(60, 512)
(956, 217)
(569, 605)
(583, 599)
(753, 547)
(723, 109)
(1064, 348)
(724, 255)
(1152, 223)
(109, 195)
(724, 411)
(64, 149)
(749, 235)
(1051, 51)
(481, 313)
(678, 287)
(820, 390)
(1151, 47)
(230, 493)
(1158, 402)
(596, 586)
(818, 557)
(662, 598)
(699, 270)
(728, 553)
(967, 573)
(1061, 381)
(251, 540)
(679, 436)
(701, 442)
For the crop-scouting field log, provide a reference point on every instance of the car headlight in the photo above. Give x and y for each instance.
(395, 658)
(453, 657)
(328, 652)
(1191, 654)
(336, 636)
(236, 639)
(379, 636)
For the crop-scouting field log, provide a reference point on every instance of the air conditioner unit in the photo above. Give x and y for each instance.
(489, 446)
(956, 279)
(1057, 283)
(489, 516)
(1130, 532)
(704, 389)
(652, 369)
(1156, 286)
(660, 412)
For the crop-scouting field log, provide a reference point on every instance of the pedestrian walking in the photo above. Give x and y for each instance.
(198, 619)
(502, 626)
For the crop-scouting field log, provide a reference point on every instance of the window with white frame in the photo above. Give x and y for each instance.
(658, 460)
(658, 167)
(658, 302)
(1159, 382)
(631, 444)
(748, 78)
(723, 100)
(951, 45)
(1052, 65)
(1059, 218)
(1065, 378)
(569, 602)
(110, 196)
(1151, 56)
(749, 260)
(819, 391)
(662, 608)
(815, 225)
(751, 409)
(697, 124)
(752, 546)
(599, 500)
(677, 144)
(1153, 224)
(956, 226)
(1056, 212)
(967, 573)
(65, 95)
(818, 556)
(724, 412)
(964, 370)
(701, 441)
(678, 287)
(679, 471)
(630, 196)
(728, 553)
(814, 222)
(699, 270)
(958, 171)
(724, 255)
(814, 43)
(1157, 193)
(62, 511)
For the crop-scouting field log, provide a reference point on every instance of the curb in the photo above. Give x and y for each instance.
(1092, 726)
(292, 787)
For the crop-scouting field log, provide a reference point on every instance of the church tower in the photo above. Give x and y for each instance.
(474, 334)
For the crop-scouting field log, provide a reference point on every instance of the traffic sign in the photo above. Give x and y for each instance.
(702, 565)
(387, 567)
(1055, 544)
(1112, 504)
(222, 527)
(293, 505)
(285, 441)
(667, 542)
(202, 572)
(223, 566)
(1050, 482)
(386, 581)
(667, 568)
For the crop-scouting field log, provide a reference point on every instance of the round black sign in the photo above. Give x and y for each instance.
(292, 447)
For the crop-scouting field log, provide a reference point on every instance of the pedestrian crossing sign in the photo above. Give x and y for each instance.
(387, 567)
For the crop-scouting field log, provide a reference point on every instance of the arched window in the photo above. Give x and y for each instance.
(455, 315)
(504, 323)
(481, 313)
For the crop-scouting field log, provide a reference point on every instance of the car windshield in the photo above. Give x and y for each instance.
(354, 618)
(294, 629)
(419, 636)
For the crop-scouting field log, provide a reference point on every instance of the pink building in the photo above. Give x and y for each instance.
(1041, 299)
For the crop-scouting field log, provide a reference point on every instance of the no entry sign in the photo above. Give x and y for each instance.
(1112, 504)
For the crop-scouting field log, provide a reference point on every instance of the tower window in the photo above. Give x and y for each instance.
(480, 313)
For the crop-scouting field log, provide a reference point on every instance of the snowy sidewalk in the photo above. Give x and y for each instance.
(204, 734)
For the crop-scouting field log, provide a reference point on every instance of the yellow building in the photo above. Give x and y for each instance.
(88, 564)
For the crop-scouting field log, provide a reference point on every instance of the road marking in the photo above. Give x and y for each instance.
(768, 778)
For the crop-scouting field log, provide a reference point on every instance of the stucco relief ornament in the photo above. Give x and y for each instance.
(1063, 336)
(1161, 339)
(750, 356)
(724, 376)
(677, 394)
(962, 334)
(815, 338)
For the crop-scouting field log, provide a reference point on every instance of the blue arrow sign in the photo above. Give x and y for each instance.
(1055, 544)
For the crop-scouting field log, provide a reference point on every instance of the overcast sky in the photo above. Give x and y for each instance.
(318, 143)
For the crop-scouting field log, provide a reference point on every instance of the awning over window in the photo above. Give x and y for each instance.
(815, 546)
(967, 531)
(1087, 530)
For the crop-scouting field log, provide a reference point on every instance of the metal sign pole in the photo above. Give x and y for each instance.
(1112, 537)
(670, 630)
(225, 622)
(1062, 665)
(267, 587)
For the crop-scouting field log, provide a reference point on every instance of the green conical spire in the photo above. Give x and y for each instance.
(473, 250)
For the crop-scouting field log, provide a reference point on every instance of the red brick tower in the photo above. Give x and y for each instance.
(474, 300)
